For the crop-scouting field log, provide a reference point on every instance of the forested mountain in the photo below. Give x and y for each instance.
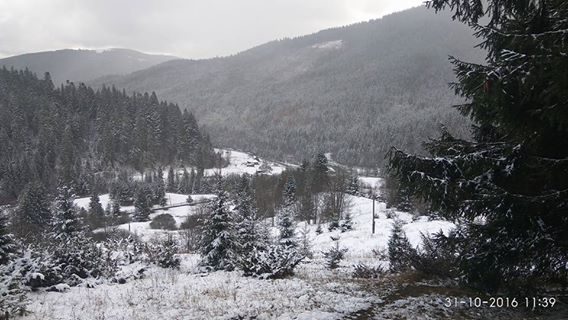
(84, 65)
(354, 91)
(73, 134)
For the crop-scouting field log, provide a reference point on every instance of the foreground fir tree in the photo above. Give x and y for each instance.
(249, 231)
(399, 248)
(287, 215)
(509, 184)
(217, 243)
(66, 223)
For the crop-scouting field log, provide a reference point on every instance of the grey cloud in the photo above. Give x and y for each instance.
(192, 29)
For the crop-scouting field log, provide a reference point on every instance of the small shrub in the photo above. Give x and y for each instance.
(164, 254)
(362, 271)
(163, 221)
(193, 222)
(274, 262)
(333, 256)
(437, 257)
(347, 223)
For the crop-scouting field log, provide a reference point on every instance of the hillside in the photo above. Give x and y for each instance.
(354, 91)
(84, 65)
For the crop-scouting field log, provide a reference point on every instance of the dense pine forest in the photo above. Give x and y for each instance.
(74, 135)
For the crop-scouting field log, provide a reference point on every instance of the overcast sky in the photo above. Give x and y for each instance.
(185, 28)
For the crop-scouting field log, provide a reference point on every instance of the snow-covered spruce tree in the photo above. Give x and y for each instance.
(287, 226)
(399, 248)
(170, 181)
(251, 236)
(32, 218)
(7, 245)
(346, 223)
(514, 172)
(287, 214)
(217, 243)
(334, 256)
(159, 189)
(66, 221)
(96, 212)
(353, 185)
(248, 229)
(305, 243)
(143, 204)
(12, 298)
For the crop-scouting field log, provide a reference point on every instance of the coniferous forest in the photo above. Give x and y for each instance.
(76, 136)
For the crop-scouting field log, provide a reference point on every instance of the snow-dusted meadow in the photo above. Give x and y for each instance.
(314, 292)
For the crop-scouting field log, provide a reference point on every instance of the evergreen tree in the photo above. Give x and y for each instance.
(514, 173)
(115, 208)
(320, 177)
(287, 226)
(289, 196)
(170, 184)
(7, 246)
(66, 221)
(143, 204)
(96, 212)
(249, 233)
(33, 215)
(353, 185)
(160, 189)
(334, 256)
(347, 223)
(287, 215)
(184, 187)
(399, 249)
(217, 242)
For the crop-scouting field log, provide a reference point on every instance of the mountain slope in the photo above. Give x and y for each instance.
(353, 91)
(84, 65)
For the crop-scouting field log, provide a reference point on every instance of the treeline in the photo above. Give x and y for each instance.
(73, 135)
(319, 191)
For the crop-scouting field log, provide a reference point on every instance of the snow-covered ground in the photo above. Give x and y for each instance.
(313, 293)
(242, 162)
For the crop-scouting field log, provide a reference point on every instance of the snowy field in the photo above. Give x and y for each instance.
(242, 162)
(313, 293)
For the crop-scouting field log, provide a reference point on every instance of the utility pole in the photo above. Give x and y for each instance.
(374, 197)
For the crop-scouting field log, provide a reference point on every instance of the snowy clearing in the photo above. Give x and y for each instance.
(313, 293)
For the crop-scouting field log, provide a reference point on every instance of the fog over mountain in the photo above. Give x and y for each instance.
(84, 65)
(354, 91)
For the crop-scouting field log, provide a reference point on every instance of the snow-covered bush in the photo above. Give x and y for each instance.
(437, 257)
(69, 262)
(363, 271)
(347, 223)
(13, 300)
(163, 221)
(275, 262)
(164, 254)
(333, 256)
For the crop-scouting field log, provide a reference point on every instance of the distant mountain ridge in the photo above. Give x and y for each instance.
(84, 65)
(354, 91)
